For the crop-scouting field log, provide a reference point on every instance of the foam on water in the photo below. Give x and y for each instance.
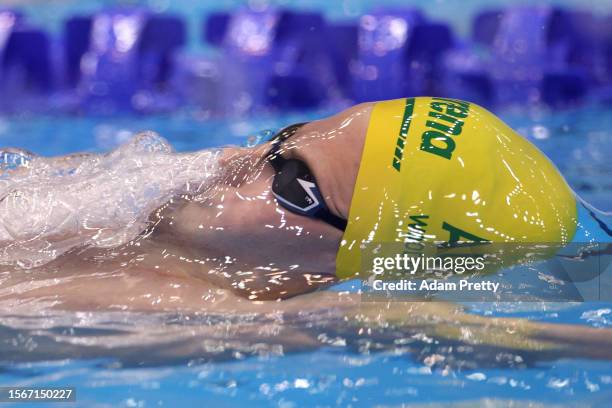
(51, 205)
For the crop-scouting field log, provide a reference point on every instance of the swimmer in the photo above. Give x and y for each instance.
(144, 228)
(291, 215)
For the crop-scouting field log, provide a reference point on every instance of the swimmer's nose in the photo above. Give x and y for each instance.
(242, 164)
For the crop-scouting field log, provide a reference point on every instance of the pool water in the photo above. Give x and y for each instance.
(118, 359)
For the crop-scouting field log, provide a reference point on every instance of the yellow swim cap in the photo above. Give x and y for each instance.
(443, 170)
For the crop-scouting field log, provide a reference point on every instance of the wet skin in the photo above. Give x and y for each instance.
(272, 252)
(239, 239)
(235, 251)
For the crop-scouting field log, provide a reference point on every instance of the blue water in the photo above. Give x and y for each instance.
(580, 144)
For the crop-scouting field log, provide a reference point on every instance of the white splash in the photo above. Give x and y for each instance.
(51, 205)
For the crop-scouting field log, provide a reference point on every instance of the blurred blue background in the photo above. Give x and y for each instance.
(234, 57)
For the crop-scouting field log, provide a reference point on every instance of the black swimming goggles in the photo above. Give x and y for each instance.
(295, 187)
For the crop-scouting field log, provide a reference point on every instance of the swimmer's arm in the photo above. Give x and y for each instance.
(443, 320)
(136, 290)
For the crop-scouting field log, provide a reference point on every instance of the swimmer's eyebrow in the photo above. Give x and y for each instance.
(292, 148)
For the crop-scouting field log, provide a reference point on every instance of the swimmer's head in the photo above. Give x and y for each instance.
(441, 170)
(240, 232)
(428, 169)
